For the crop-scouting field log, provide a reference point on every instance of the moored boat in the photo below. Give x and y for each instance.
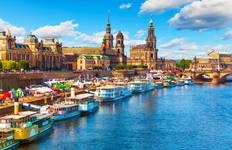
(7, 140)
(158, 85)
(141, 86)
(64, 110)
(21, 124)
(109, 93)
(44, 122)
(24, 129)
(87, 103)
(180, 83)
(189, 82)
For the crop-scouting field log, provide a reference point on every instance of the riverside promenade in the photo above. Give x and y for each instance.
(8, 108)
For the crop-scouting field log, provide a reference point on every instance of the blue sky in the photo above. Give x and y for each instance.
(184, 28)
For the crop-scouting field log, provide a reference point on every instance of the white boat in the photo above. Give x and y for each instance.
(109, 93)
(189, 82)
(141, 86)
(126, 91)
(64, 110)
(180, 83)
(87, 103)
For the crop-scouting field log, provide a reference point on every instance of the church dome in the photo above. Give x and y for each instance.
(119, 35)
(31, 39)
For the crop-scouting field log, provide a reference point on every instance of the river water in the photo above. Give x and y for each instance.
(181, 118)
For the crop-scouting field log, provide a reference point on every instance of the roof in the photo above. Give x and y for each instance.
(222, 52)
(64, 105)
(83, 96)
(82, 50)
(21, 115)
(108, 87)
(90, 56)
(21, 46)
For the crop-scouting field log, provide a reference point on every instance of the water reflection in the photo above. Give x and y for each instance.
(188, 117)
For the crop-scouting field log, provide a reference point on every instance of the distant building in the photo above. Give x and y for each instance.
(115, 53)
(41, 55)
(70, 62)
(89, 62)
(145, 54)
(216, 60)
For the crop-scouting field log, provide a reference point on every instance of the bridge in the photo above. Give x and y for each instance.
(216, 76)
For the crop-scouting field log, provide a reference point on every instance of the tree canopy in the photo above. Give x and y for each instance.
(184, 64)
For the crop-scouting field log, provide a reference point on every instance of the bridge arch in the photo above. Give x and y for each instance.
(224, 76)
(200, 75)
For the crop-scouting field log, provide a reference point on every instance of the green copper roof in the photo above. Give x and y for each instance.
(91, 56)
(151, 22)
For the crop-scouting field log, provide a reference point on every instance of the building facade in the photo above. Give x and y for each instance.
(43, 55)
(89, 62)
(215, 60)
(145, 54)
(114, 53)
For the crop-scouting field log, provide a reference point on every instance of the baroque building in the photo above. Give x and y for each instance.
(145, 54)
(115, 54)
(41, 55)
(216, 60)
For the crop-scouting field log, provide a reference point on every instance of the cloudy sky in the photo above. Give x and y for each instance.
(184, 28)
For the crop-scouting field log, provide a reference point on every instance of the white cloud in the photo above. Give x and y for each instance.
(140, 33)
(173, 43)
(95, 38)
(179, 43)
(125, 6)
(15, 30)
(161, 5)
(180, 48)
(204, 14)
(227, 35)
(64, 29)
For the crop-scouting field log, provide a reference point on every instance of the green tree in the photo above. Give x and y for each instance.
(8, 65)
(120, 67)
(23, 64)
(97, 68)
(184, 64)
(0, 65)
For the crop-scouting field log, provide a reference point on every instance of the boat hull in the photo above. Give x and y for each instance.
(58, 117)
(9, 145)
(45, 130)
(26, 134)
(88, 108)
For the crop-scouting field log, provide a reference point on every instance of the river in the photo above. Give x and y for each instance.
(181, 118)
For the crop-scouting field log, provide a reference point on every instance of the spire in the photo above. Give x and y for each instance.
(8, 32)
(108, 20)
(57, 40)
(151, 22)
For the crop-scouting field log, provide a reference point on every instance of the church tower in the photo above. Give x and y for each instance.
(151, 38)
(151, 42)
(108, 38)
(119, 43)
(119, 47)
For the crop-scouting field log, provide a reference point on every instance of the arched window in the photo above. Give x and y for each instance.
(118, 50)
(118, 42)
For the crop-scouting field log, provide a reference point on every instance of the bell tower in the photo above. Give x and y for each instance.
(119, 47)
(108, 36)
(151, 38)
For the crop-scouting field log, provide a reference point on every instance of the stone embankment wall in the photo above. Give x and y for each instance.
(17, 80)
